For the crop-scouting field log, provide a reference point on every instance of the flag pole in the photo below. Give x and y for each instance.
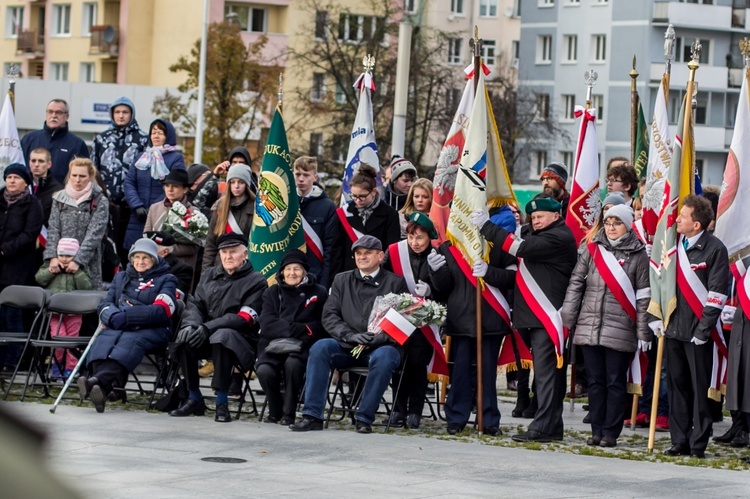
(685, 127)
(12, 74)
(633, 111)
(669, 37)
(476, 45)
(281, 92)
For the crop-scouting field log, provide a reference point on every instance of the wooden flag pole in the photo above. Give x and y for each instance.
(633, 138)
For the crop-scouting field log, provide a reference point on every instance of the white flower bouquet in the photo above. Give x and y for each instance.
(187, 227)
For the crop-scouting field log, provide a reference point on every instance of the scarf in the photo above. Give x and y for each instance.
(616, 242)
(12, 198)
(78, 196)
(153, 159)
(237, 201)
(366, 211)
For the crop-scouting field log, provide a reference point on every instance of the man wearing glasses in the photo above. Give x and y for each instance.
(62, 145)
(623, 179)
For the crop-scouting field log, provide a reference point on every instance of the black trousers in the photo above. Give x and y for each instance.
(550, 383)
(292, 373)
(223, 358)
(413, 389)
(607, 381)
(110, 373)
(688, 379)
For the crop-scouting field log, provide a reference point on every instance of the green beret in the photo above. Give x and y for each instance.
(543, 204)
(424, 221)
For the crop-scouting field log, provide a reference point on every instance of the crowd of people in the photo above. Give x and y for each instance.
(67, 218)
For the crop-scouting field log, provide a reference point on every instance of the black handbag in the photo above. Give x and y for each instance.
(281, 346)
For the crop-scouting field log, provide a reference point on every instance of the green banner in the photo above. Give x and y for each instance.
(640, 158)
(277, 223)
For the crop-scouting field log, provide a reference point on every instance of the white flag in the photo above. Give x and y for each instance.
(362, 147)
(659, 158)
(10, 144)
(584, 207)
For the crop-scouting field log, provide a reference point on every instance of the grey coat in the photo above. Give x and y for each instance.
(78, 221)
(593, 310)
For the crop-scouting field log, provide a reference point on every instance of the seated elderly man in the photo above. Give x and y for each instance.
(221, 322)
(345, 317)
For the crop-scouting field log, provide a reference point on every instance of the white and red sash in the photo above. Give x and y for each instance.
(743, 286)
(232, 225)
(640, 231)
(615, 278)
(637, 372)
(698, 297)
(343, 215)
(399, 255)
(314, 244)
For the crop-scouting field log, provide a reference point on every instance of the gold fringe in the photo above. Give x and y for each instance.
(432, 377)
(723, 389)
(512, 367)
(714, 394)
(635, 389)
(559, 361)
(500, 202)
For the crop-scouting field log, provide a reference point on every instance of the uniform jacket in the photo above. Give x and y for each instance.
(243, 213)
(320, 213)
(20, 224)
(593, 310)
(62, 145)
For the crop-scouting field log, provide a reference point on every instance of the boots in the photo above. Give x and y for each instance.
(522, 403)
(530, 411)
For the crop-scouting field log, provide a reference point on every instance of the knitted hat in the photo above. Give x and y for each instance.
(196, 170)
(368, 242)
(424, 221)
(241, 172)
(230, 240)
(556, 171)
(399, 166)
(160, 238)
(614, 198)
(144, 245)
(624, 213)
(543, 204)
(177, 176)
(68, 246)
(20, 170)
(294, 256)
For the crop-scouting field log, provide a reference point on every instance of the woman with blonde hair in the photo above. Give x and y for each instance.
(418, 199)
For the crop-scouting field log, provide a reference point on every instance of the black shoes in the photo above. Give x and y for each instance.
(98, 398)
(594, 440)
(412, 421)
(398, 420)
(522, 403)
(727, 437)
(678, 450)
(308, 423)
(190, 407)
(534, 436)
(493, 431)
(363, 427)
(698, 454)
(454, 428)
(287, 420)
(222, 414)
(608, 442)
(272, 419)
(740, 440)
(530, 411)
(587, 418)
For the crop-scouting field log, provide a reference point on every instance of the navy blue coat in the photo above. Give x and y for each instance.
(320, 213)
(62, 145)
(142, 191)
(148, 315)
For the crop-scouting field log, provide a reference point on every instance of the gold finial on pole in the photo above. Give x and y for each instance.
(669, 38)
(633, 113)
(368, 62)
(590, 77)
(745, 49)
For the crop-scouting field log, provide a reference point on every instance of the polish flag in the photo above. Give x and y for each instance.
(396, 326)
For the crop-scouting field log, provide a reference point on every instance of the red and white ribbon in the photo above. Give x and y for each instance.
(343, 215)
(232, 225)
(314, 244)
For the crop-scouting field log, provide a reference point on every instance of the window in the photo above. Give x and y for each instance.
(540, 158)
(597, 102)
(13, 21)
(87, 72)
(410, 6)
(701, 109)
(542, 106)
(321, 24)
(251, 19)
(452, 100)
(699, 165)
(61, 20)
(544, 49)
(570, 42)
(341, 94)
(340, 148)
(569, 109)
(675, 103)
(316, 144)
(515, 48)
(684, 46)
(601, 2)
(89, 18)
(361, 28)
(59, 71)
(488, 52)
(574, 2)
(454, 50)
(487, 8)
(599, 48)
(567, 159)
(318, 87)
(546, 3)
(457, 7)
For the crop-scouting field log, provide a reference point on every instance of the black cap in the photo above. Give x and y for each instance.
(231, 239)
(177, 176)
(368, 242)
(160, 238)
(20, 170)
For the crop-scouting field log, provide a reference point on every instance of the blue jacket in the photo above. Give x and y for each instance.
(148, 314)
(320, 213)
(62, 145)
(142, 191)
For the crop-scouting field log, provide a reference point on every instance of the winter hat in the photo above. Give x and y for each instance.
(20, 170)
(368, 242)
(399, 166)
(556, 171)
(294, 256)
(68, 246)
(241, 172)
(614, 198)
(424, 221)
(230, 240)
(144, 245)
(177, 176)
(624, 213)
(543, 204)
(196, 170)
(160, 238)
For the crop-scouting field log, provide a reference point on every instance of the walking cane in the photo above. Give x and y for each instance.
(81, 360)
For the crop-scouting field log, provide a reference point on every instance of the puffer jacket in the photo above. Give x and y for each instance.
(593, 310)
(243, 213)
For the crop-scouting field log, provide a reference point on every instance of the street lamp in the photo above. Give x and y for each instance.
(198, 155)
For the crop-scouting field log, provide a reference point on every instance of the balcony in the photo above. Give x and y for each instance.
(735, 77)
(698, 16)
(30, 43)
(708, 77)
(104, 41)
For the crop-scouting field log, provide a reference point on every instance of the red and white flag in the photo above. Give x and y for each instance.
(660, 148)
(396, 326)
(585, 203)
(10, 146)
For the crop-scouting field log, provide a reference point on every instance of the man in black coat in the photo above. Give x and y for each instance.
(688, 347)
(345, 317)
(55, 137)
(44, 185)
(221, 322)
(547, 257)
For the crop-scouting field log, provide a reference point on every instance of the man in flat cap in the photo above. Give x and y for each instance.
(345, 317)
(220, 322)
(554, 178)
(546, 258)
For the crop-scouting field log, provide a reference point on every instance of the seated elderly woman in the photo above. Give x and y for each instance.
(290, 323)
(135, 316)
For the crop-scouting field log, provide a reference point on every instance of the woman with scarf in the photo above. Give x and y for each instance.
(80, 211)
(606, 303)
(233, 212)
(365, 214)
(143, 181)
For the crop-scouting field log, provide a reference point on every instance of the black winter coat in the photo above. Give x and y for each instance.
(20, 224)
(291, 312)
(62, 145)
(47, 187)
(550, 255)
(182, 271)
(320, 213)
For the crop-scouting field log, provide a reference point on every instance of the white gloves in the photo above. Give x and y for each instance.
(645, 346)
(657, 327)
(649, 247)
(698, 342)
(479, 269)
(479, 217)
(422, 288)
(727, 314)
(435, 260)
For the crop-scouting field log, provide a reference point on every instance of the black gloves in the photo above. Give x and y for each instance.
(193, 336)
(141, 213)
(360, 338)
(118, 320)
(298, 330)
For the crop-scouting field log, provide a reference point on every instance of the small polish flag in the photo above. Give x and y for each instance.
(396, 326)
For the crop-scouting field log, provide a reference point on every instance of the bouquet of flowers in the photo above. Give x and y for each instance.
(185, 226)
(418, 311)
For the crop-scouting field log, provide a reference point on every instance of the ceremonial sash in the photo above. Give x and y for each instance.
(640, 231)
(743, 286)
(697, 297)
(314, 244)
(232, 225)
(543, 309)
(615, 278)
(399, 255)
(353, 233)
(637, 372)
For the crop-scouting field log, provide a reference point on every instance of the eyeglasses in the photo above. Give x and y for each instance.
(360, 197)
(612, 225)
(56, 113)
(614, 181)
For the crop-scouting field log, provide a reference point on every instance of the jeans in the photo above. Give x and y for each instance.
(327, 354)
